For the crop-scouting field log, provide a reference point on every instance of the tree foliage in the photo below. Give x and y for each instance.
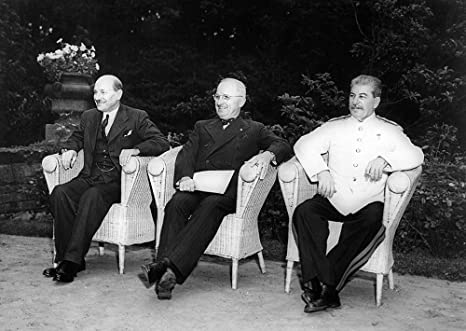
(22, 106)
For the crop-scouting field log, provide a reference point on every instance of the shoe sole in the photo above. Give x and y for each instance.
(164, 288)
(60, 280)
(316, 309)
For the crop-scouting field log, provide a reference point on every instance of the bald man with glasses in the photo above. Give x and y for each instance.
(222, 143)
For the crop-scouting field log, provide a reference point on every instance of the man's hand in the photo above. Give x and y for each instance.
(126, 154)
(326, 185)
(262, 160)
(186, 184)
(68, 158)
(374, 169)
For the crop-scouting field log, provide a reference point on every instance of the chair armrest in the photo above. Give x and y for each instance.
(54, 172)
(161, 171)
(295, 184)
(134, 182)
(398, 191)
(252, 191)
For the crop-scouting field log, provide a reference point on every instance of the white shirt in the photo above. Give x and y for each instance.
(351, 145)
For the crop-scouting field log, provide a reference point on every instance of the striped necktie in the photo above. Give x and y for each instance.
(104, 125)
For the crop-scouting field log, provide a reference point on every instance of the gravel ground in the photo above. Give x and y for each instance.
(101, 299)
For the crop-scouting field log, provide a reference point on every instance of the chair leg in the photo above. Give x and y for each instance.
(289, 272)
(261, 262)
(54, 255)
(234, 273)
(378, 290)
(121, 258)
(391, 283)
(101, 249)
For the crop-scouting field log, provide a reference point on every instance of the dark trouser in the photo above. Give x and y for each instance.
(360, 235)
(190, 223)
(79, 208)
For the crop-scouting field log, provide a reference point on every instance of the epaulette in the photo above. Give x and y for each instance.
(339, 118)
(388, 121)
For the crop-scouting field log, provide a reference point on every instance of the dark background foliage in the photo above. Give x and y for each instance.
(297, 58)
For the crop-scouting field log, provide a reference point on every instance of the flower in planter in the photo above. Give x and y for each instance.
(68, 59)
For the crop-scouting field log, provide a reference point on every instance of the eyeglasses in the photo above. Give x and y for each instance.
(225, 97)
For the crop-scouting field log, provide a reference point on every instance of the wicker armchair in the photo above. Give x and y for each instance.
(399, 189)
(126, 223)
(238, 235)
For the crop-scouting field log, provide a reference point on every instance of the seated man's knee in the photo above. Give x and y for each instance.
(300, 213)
(180, 201)
(58, 192)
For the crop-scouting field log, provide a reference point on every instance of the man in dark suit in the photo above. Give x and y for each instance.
(110, 135)
(222, 143)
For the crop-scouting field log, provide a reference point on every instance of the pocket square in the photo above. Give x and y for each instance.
(128, 133)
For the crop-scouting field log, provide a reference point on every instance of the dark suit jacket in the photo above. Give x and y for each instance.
(132, 128)
(210, 147)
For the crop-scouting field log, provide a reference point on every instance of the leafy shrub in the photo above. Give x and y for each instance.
(321, 101)
(435, 218)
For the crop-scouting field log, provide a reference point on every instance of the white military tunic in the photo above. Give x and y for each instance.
(351, 145)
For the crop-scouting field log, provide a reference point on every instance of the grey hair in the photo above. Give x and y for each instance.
(239, 85)
(369, 80)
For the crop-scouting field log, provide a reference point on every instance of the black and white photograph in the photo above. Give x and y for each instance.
(232, 165)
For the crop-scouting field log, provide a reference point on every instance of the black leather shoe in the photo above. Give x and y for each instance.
(67, 270)
(154, 271)
(328, 299)
(49, 272)
(166, 285)
(309, 295)
(52, 272)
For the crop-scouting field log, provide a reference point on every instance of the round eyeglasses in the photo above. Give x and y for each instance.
(225, 97)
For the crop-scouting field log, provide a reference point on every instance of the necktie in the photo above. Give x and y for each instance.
(104, 125)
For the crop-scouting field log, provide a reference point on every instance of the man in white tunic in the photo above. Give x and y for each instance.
(363, 148)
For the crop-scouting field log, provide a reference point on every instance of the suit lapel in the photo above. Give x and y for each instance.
(119, 123)
(94, 129)
(221, 136)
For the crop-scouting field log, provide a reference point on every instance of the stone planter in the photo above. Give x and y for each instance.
(70, 97)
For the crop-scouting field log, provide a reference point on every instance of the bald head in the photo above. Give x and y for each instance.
(238, 85)
(113, 80)
(108, 91)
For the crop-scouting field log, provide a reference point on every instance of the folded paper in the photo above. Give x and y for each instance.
(213, 181)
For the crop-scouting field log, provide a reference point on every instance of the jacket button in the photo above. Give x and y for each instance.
(354, 179)
(207, 161)
(358, 150)
(355, 165)
(360, 128)
(359, 140)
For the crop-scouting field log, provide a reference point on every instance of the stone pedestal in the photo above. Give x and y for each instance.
(70, 97)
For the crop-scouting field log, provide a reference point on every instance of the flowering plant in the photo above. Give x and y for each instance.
(68, 59)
